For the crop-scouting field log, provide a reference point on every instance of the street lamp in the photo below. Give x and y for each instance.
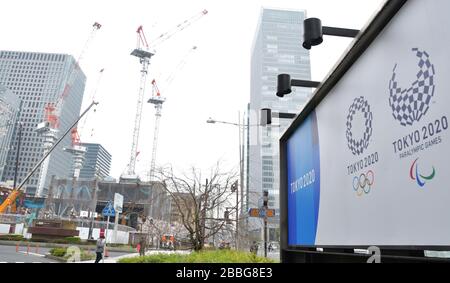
(241, 164)
(285, 84)
(314, 32)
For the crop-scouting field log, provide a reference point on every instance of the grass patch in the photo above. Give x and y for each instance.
(217, 256)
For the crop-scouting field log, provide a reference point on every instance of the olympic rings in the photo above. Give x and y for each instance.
(364, 183)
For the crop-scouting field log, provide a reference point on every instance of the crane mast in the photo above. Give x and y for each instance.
(158, 101)
(144, 58)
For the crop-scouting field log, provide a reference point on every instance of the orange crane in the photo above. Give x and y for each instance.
(53, 109)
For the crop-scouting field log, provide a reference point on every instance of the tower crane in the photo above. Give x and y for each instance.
(158, 101)
(141, 52)
(144, 54)
(77, 150)
(48, 129)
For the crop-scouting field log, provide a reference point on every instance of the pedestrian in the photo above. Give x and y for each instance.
(100, 248)
(142, 247)
(254, 248)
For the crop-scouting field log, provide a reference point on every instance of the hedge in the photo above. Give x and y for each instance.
(217, 256)
(11, 237)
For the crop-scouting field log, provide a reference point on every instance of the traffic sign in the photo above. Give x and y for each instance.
(261, 212)
(118, 202)
(109, 210)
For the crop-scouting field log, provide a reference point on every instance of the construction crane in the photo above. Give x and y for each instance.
(141, 52)
(144, 54)
(158, 101)
(181, 26)
(48, 129)
(77, 150)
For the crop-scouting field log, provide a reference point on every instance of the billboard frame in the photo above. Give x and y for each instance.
(337, 253)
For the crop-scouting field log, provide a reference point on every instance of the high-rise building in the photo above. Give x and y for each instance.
(97, 162)
(38, 79)
(9, 110)
(277, 49)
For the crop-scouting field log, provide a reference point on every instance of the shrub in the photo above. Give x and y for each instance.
(11, 237)
(217, 256)
(59, 252)
(62, 252)
(73, 240)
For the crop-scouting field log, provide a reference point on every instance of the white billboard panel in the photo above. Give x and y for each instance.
(370, 165)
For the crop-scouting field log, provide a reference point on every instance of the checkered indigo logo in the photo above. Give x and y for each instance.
(357, 146)
(409, 105)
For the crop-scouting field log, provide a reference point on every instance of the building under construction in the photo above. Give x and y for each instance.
(78, 198)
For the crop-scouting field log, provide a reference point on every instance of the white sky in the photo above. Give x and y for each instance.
(214, 83)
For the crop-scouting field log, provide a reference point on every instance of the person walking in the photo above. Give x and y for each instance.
(142, 248)
(100, 247)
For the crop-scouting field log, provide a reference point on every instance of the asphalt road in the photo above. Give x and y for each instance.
(8, 254)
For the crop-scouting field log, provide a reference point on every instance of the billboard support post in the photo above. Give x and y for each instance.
(265, 236)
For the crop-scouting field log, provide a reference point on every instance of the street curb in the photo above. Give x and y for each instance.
(49, 256)
(54, 245)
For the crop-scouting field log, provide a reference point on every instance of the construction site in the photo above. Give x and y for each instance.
(71, 206)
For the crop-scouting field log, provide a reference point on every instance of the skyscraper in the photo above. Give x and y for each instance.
(277, 49)
(38, 79)
(9, 109)
(97, 162)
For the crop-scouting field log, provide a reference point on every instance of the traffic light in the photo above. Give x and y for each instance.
(227, 216)
(265, 198)
(234, 186)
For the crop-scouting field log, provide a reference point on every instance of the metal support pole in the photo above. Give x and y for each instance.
(342, 32)
(303, 83)
(237, 187)
(265, 234)
(116, 223)
(106, 239)
(17, 155)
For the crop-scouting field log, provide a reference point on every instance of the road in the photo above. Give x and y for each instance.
(8, 254)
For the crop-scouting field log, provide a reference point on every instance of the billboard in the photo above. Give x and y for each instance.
(369, 166)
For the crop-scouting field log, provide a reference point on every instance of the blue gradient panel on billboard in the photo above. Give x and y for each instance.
(303, 159)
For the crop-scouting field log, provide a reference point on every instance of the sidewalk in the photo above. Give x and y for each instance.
(152, 252)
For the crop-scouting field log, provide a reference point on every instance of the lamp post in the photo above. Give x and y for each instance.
(242, 128)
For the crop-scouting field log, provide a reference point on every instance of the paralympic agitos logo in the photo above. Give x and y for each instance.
(416, 176)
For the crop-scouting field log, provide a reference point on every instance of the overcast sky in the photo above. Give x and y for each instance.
(215, 81)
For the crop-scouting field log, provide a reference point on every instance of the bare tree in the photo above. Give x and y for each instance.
(196, 201)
